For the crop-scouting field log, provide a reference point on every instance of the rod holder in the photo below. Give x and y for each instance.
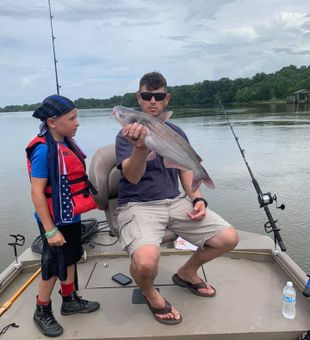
(19, 241)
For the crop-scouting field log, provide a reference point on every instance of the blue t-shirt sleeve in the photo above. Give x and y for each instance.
(39, 164)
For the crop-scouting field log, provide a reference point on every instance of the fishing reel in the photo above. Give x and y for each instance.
(268, 198)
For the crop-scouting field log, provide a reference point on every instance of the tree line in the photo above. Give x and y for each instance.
(261, 87)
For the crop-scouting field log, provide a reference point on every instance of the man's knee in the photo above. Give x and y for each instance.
(225, 240)
(232, 238)
(145, 259)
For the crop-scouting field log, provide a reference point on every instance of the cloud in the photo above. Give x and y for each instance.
(177, 37)
(291, 51)
(293, 19)
(28, 81)
(245, 33)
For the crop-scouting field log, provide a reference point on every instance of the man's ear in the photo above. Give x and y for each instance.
(138, 97)
(167, 99)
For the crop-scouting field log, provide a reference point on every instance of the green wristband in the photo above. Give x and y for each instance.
(51, 233)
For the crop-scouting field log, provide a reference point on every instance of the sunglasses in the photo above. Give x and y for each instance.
(159, 96)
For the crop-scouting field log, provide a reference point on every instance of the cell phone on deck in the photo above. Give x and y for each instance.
(121, 279)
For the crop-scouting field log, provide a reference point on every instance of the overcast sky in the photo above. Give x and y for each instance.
(105, 46)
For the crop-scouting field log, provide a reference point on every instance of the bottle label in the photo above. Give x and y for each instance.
(289, 299)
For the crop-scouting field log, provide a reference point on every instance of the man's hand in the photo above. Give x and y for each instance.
(135, 134)
(199, 211)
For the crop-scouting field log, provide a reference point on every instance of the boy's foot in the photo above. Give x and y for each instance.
(46, 322)
(73, 304)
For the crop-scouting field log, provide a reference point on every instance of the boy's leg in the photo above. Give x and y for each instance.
(71, 302)
(43, 315)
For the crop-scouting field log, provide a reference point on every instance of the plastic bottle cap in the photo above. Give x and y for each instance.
(289, 284)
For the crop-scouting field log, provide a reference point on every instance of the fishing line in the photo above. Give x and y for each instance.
(264, 199)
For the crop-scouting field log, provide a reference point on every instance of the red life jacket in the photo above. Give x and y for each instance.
(79, 184)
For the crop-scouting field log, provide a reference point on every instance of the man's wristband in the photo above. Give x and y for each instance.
(51, 233)
(197, 199)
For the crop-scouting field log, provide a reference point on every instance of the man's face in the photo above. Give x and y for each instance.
(153, 104)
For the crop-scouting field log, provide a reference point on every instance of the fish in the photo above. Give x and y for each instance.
(161, 139)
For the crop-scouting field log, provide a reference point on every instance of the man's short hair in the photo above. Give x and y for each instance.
(153, 81)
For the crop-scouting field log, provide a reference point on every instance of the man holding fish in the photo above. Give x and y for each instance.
(153, 154)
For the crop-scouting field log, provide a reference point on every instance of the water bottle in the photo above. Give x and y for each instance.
(289, 301)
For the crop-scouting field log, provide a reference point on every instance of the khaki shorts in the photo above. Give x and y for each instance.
(142, 223)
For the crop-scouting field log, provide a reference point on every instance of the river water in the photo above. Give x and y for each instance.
(276, 142)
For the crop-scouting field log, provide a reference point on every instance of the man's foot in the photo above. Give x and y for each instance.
(196, 286)
(46, 322)
(73, 304)
(162, 310)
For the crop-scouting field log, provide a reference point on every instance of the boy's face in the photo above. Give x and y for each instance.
(149, 104)
(65, 125)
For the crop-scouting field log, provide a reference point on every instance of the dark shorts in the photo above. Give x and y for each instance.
(55, 260)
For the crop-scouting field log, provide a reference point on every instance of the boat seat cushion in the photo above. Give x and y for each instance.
(105, 176)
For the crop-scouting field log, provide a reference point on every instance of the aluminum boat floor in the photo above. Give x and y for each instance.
(247, 304)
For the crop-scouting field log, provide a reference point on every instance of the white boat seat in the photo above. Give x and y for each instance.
(104, 176)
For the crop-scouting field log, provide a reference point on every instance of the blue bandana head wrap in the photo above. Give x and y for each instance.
(53, 106)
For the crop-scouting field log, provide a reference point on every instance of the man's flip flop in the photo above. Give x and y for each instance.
(192, 287)
(165, 310)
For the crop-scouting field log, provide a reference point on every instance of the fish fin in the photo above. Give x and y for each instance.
(170, 164)
(206, 180)
(209, 183)
(165, 115)
(151, 156)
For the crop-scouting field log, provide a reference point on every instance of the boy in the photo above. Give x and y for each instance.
(60, 193)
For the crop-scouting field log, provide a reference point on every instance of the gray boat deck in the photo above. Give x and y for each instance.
(249, 282)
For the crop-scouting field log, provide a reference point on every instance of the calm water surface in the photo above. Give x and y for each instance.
(276, 140)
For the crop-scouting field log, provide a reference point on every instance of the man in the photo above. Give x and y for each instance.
(150, 202)
(60, 193)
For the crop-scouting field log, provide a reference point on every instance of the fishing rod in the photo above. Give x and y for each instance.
(263, 199)
(306, 291)
(53, 44)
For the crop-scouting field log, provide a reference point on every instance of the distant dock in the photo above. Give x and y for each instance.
(300, 97)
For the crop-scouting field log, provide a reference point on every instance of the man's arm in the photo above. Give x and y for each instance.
(199, 210)
(134, 166)
(186, 178)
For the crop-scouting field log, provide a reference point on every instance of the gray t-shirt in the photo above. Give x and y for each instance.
(157, 183)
